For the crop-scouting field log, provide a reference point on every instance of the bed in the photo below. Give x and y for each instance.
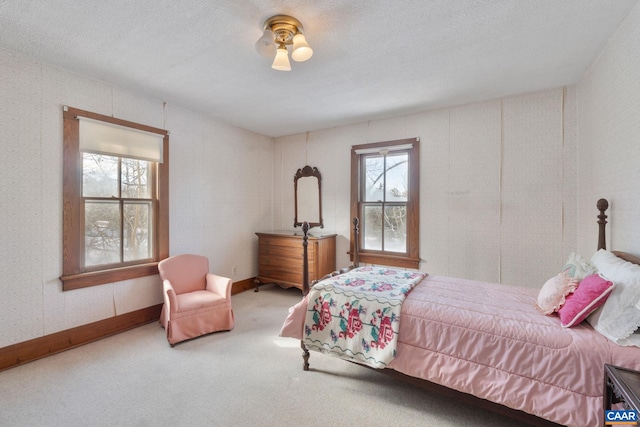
(493, 344)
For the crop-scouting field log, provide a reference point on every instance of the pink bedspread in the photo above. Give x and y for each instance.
(488, 340)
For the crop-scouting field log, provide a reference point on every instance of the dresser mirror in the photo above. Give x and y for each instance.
(308, 197)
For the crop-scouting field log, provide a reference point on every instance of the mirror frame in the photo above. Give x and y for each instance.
(312, 172)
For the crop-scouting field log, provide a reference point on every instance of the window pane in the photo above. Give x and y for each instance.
(373, 178)
(137, 231)
(397, 182)
(99, 175)
(101, 232)
(395, 229)
(136, 176)
(372, 228)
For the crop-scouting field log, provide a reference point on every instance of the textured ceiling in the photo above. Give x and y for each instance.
(372, 58)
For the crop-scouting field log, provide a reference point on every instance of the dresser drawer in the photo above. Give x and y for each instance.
(286, 252)
(285, 264)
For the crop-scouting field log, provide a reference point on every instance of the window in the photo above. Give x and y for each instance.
(385, 198)
(115, 193)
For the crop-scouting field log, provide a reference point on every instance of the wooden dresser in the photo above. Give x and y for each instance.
(280, 257)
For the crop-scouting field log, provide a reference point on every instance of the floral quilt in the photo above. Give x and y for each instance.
(356, 315)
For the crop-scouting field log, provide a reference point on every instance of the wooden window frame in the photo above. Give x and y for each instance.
(74, 274)
(412, 258)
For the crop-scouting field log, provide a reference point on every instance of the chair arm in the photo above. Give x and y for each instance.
(220, 285)
(170, 296)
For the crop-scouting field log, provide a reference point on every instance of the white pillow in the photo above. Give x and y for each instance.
(578, 267)
(619, 317)
(552, 294)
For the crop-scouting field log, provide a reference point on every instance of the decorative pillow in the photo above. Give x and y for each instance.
(618, 317)
(553, 293)
(591, 293)
(578, 267)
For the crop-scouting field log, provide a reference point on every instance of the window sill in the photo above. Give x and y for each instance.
(390, 260)
(94, 278)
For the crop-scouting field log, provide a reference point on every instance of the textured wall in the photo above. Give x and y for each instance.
(220, 193)
(498, 184)
(609, 140)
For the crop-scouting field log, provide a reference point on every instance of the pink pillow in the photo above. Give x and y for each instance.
(591, 293)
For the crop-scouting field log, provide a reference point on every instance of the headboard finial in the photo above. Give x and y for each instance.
(602, 206)
(356, 239)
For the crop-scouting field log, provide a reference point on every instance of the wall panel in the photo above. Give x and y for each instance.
(608, 100)
(532, 187)
(473, 194)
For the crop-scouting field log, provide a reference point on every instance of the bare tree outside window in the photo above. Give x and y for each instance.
(118, 211)
(384, 209)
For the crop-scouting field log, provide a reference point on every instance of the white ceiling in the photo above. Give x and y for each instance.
(372, 58)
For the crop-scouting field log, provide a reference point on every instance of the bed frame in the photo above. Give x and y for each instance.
(520, 416)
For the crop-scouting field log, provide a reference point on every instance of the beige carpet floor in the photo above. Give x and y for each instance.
(246, 377)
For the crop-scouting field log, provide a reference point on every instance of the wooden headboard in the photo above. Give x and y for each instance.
(602, 206)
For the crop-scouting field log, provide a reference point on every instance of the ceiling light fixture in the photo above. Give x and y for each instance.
(280, 31)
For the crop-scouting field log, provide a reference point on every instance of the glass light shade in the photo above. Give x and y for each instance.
(281, 61)
(266, 45)
(301, 49)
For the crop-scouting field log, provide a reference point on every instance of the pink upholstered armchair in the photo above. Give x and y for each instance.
(196, 302)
